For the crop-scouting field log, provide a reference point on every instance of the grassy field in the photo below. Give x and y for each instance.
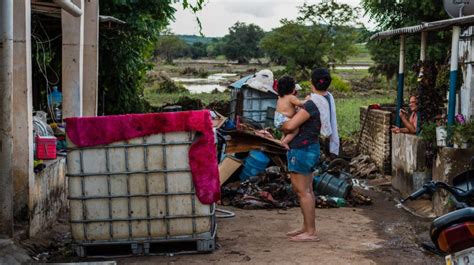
(348, 111)
(159, 100)
(362, 56)
(348, 103)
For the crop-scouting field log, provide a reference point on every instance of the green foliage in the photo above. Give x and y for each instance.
(170, 47)
(168, 86)
(191, 39)
(198, 50)
(241, 43)
(464, 133)
(338, 84)
(391, 14)
(428, 132)
(125, 50)
(322, 34)
(162, 99)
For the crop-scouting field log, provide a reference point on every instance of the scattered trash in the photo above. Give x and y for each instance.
(363, 167)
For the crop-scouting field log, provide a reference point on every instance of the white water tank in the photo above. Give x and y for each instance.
(453, 7)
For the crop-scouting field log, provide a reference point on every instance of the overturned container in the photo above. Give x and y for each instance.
(327, 184)
(138, 197)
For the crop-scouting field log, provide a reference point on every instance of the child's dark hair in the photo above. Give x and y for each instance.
(321, 79)
(286, 85)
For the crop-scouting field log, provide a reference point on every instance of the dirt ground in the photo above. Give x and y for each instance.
(376, 234)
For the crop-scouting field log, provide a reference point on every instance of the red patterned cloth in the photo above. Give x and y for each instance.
(92, 131)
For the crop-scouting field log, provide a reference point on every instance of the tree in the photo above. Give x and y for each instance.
(170, 47)
(125, 51)
(241, 43)
(396, 14)
(198, 50)
(296, 44)
(322, 34)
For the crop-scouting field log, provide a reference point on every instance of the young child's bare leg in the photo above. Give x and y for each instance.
(289, 137)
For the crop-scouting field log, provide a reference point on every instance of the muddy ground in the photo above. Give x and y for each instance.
(375, 234)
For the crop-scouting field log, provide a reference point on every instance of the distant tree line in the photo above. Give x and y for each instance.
(323, 34)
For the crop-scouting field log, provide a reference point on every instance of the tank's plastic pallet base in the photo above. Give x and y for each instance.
(172, 247)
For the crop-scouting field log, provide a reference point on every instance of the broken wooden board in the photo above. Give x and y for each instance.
(242, 141)
(227, 167)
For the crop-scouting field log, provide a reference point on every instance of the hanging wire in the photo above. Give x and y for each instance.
(42, 47)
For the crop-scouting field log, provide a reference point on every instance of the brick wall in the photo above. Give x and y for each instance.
(375, 140)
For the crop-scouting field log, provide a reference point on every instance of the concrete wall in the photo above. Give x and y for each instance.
(449, 163)
(375, 140)
(408, 156)
(48, 196)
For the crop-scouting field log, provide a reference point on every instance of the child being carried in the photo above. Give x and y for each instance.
(286, 107)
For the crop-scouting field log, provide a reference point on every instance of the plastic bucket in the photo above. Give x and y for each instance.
(255, 163)
(327, 184)
(441, 135)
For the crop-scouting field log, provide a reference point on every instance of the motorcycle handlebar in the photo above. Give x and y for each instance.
(432, 186)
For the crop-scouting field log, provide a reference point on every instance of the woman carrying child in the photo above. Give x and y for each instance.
(304, 154)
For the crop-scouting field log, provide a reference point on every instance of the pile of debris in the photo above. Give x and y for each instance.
(363, 167)
(253, 170)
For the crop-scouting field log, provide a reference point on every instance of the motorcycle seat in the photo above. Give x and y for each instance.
(454, 217)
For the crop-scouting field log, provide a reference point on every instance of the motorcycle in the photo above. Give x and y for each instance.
(453, 233)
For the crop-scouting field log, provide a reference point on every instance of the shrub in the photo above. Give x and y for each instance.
(338, 84)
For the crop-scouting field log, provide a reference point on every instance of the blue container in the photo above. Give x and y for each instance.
(255, 163)
(55, 98)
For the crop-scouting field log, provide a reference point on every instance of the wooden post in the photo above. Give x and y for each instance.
(91, 59)
(6, 118)
(22, 105)
(72, 62)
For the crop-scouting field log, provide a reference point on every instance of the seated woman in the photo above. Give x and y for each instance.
(410, 122)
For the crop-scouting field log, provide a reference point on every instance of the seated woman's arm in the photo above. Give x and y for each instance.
(295, 122)
(409, 127)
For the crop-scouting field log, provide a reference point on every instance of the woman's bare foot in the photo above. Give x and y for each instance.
(305, 237)
(295, 232)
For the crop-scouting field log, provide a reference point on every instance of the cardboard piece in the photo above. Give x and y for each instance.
(227, 167)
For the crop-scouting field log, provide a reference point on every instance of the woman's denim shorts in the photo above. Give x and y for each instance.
(302, 160)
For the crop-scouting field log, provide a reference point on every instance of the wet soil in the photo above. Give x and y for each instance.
(376, 234)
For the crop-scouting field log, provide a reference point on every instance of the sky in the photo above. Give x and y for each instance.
(218, 16)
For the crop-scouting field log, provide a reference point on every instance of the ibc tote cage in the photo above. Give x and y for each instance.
(151, 218)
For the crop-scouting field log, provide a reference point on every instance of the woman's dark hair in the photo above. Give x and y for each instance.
(321, 79)
(286, 85)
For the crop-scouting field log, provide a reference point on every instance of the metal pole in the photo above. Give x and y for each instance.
(424, 35)
(401, 77)
(453, 75)
(6, 117)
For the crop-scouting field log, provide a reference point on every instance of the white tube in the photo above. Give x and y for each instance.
(424, 35)
(455, 48)
(69, 7)
(401, 66)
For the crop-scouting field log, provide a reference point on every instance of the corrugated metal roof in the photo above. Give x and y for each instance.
(425, 26)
